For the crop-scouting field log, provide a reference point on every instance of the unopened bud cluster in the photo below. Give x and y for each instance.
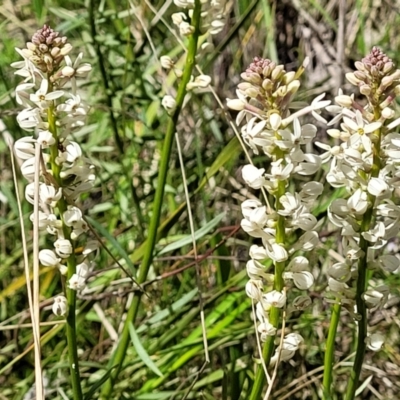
(264, 100)
(52, 112)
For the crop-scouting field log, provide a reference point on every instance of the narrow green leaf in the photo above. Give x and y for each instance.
(198, 235)
(115, 244)
(162, 314)
(97, 385)
(142, 353)
(37, 6)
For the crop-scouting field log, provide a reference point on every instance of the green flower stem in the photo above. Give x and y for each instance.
(361, 307)
(329, 351)
(118, 357)
(73, 359)
(362, 282)
(275, 313)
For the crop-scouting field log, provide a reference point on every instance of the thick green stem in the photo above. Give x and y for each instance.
(329, 351)
(73, 359)
(118, 357)
(274, 314)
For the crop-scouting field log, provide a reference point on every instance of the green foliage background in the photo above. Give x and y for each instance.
(123, 41)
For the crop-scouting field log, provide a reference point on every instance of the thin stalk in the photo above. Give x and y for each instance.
(73, 359)
(275, 313)
(361, 311)
(329, 351)
(118, 357)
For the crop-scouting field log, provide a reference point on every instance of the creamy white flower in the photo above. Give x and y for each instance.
(60, 305)
(49, 194)
(76, 282)
(63, 248)
(274, 299)
(178, 18)
(379, 188)
(376, 297)
(376, 233)
(79, 228)
(256, 270)
(184, 3)
(298, 264)
(72, 152)
(389, 263)
(82, 270)
(254, 289)
(279, 171)
(22, 94)
(310, 191)
(375, 341)
(359, 126)
(340, 272)
(166, 62)
(302, 279)
(201, 81)
(288, 348)
(42, 98)
(24, 148)
(72, 215)
(266, 329)
(304, 220)
(30, 192)
(310, 165)
(48, 258)
(357, 203)
(45, 139)
(252, 228)
(306, 242)
(290, 203)
(253, 176)
(54, 225)
(275, 121)
(258, 252)
(344, 101)
(236, 104)
(248, 207)
(28, 119)
(275, 251)
(185, 29)
(169, 103)
(42, 220)
(28, 168)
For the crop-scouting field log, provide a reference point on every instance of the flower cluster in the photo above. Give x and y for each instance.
(52, 112)
(367, 164)
(212, 21)
(212, 16)
(264, 101)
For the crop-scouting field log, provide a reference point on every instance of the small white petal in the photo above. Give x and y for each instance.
(375, 341)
